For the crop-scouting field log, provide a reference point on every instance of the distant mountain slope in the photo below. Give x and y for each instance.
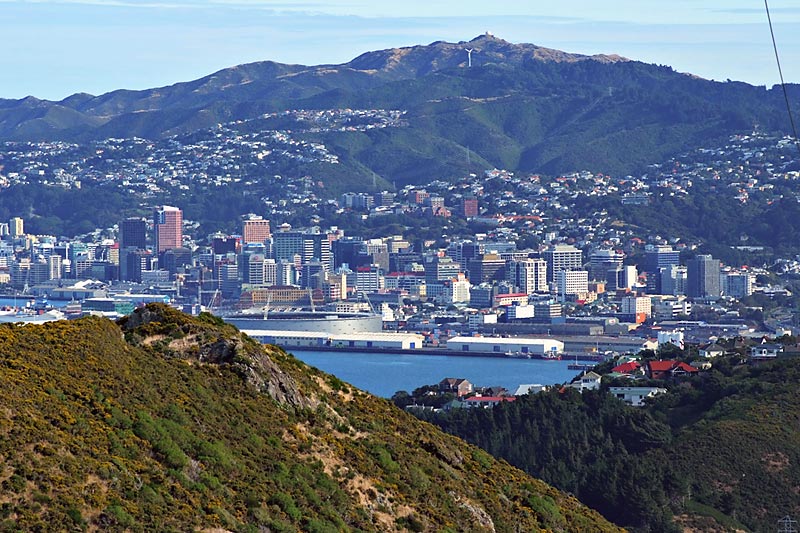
(166, 422)
(519, 106)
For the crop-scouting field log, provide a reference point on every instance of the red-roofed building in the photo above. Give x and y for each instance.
(627, 368)
(668, 369)
(487, 401)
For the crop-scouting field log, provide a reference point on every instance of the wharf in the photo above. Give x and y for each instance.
(394, 351)
(581, 366)
(400, 351)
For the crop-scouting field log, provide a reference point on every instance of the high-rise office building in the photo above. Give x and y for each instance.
(133, 233)
(374, 252)
(673, 280)
(270, 272)
(176, 259)
(528, 275)
(562, 257)
(369, 278)
(488, 267)
(603, 261)
(168, 228)
(572, 282)
(440, 268)
(738, 284)
(255, 230)
(657, 257)
(134, 262)
(312, 275)
(346, 251)
(253, 268)
(16, 227)
(703, 278)
(463, 251)
(317, 247)
(132, 237)
(286, 273)
(286, 244)
(624, 277)
(224, 244)
(289, 245)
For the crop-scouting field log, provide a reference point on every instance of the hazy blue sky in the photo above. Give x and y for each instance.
(53, 48)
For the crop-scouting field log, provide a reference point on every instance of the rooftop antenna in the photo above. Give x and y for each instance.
(469, 55)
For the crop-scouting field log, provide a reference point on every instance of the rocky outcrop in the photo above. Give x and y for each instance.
(195, 340)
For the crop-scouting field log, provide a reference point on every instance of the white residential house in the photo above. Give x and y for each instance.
(530, 388)
(635, 395)
(589, 380)
(766, 351)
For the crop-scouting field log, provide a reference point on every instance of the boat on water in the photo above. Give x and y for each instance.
(518, 355)
(552, 356)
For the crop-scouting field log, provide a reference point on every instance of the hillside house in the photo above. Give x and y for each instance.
(589, 380)
(711, 350)
(486, 402)
(636, 395)
(630, 368)
(668, 369)
(458, 386)
(766, 351)
(530, 388)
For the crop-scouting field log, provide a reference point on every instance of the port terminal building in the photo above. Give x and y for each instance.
(502, 345)
(316, 339)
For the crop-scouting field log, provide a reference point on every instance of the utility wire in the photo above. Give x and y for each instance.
(780, 73)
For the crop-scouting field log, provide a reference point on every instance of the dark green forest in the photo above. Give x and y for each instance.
(723, 446)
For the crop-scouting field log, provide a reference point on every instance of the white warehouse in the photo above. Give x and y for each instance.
(501, 345)
(315, 339)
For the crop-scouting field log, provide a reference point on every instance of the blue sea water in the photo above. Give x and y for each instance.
(384, 374)
(27, 301)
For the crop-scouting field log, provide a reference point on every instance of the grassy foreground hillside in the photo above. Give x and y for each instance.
(167, 422)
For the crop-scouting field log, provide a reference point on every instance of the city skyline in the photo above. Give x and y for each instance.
(59, 47)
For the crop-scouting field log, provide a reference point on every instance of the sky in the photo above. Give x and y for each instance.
(53, 48)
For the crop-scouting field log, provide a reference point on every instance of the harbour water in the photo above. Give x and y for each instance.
(27, 301)
(384, 374)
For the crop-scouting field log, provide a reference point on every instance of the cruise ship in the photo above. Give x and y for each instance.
(316, 321)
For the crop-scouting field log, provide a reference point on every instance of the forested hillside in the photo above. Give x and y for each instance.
(721, 448)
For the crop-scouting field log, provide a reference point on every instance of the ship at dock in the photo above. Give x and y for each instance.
(302, 320)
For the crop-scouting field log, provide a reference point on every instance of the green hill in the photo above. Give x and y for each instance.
(170, 423)
(520, 106)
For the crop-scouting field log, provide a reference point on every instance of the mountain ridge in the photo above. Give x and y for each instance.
(526, 108)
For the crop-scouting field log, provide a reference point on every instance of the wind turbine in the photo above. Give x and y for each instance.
(469, 55)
